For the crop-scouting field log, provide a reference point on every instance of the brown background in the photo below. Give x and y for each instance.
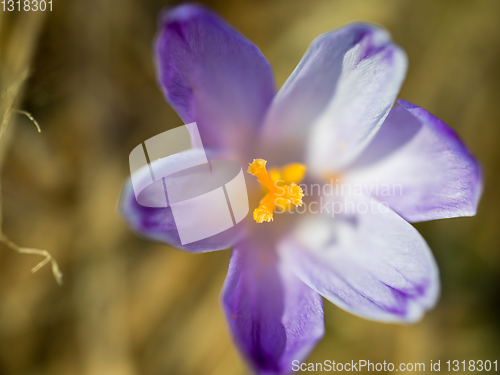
(129, 306)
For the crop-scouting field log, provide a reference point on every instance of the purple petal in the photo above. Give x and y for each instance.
(420, 167)
(338, 96)
(153, 218)
(213, 76)
(274, 317)
(367, 260)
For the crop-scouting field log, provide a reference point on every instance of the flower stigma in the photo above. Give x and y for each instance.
(281, 186)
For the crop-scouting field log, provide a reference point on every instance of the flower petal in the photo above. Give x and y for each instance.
(373, 264)
(420, 167)
(338, 96)
(212, 75)
(274, 317)
(154, 219)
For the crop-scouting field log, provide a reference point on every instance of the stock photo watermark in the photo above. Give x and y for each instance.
(172, 170)
(207, 197)
(334, 198)
(369, 366)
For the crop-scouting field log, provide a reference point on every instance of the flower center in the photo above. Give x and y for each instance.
(281, 186)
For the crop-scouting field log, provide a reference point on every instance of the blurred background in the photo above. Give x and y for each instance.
(129, 306)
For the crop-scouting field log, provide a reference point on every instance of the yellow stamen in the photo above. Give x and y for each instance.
(258, 169)
(265, 210)
(293, 173)
(293, 193)
(282, 187)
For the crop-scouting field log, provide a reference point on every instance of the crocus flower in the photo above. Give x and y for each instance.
(333, 122)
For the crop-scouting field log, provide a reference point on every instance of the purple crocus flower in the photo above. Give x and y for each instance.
(336, 121)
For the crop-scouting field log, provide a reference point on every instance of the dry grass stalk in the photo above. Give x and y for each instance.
(14, 68)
